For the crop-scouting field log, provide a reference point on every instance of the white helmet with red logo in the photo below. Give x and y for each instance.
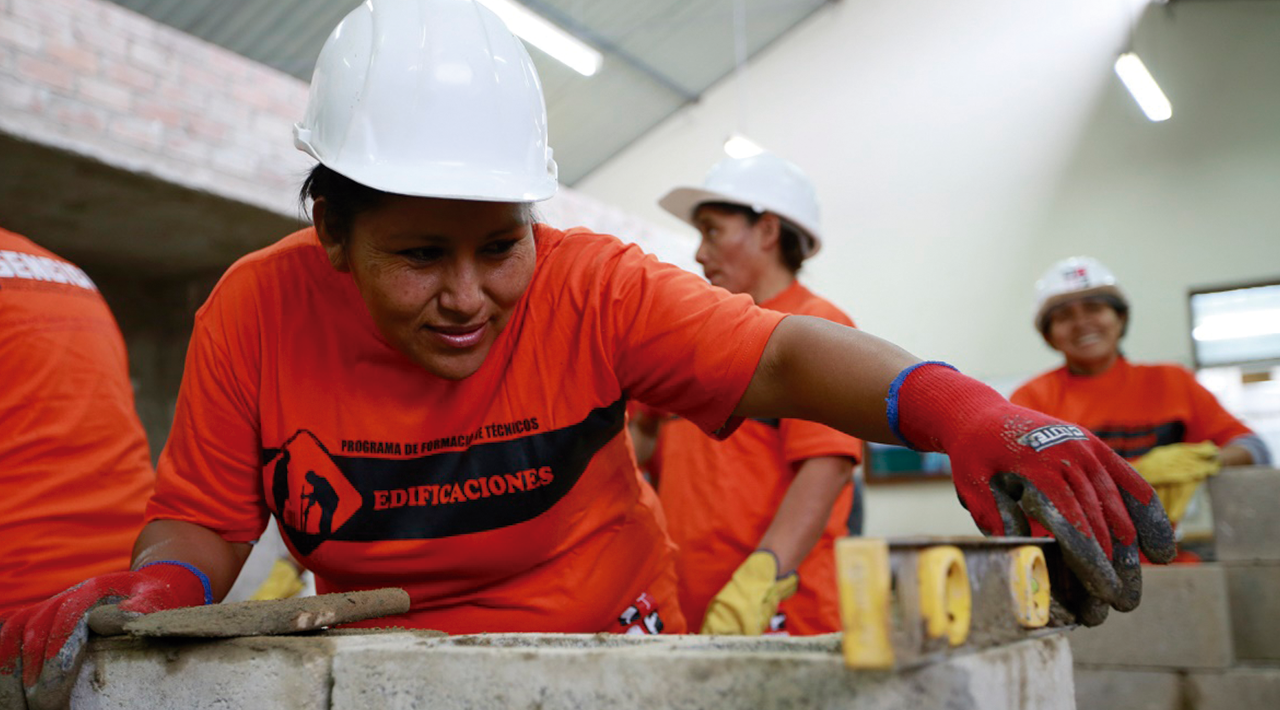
(434, 98)
(1072, 279)
(763, 182)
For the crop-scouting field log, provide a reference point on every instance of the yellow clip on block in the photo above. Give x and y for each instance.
(946, 604)
(862, 572)
(1029, 585)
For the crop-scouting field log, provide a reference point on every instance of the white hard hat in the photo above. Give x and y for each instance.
(763, 182)
(1072, 279)
(434, 98)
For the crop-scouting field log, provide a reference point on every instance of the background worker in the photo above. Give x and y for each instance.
(75, 470)
(427, 389)
(750, 512)
(1158, 416)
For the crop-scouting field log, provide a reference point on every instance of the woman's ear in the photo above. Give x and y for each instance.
(770, 227)
(333, 247)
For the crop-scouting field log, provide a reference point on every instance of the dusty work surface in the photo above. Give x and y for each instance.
(548, 671)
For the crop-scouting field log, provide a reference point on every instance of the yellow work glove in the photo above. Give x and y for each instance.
(751, 598)
(1176, 470)
(284, 581)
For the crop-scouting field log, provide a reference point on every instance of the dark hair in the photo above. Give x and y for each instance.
(345, 199)
(790, 241)
(1119, 306)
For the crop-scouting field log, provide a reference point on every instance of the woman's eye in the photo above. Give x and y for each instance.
(501, 247)
(422, 253)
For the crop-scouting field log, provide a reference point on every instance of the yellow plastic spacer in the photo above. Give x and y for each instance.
(946, 603)
(862, 574)
(1029, 585)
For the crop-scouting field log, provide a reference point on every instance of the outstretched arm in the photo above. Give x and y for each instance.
(1010, 465)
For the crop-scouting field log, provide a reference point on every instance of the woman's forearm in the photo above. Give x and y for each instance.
(801, 517)
(198, 546)
(825, 372)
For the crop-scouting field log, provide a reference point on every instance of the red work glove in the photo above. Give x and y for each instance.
(42, 646)
(1010, 463)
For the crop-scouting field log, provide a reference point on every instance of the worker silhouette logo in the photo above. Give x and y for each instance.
(1046, 436)
(311, 496)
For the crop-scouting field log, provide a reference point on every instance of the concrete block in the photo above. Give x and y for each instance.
(1240, 688)
(1103, 688)
(1183, 622)
(290, 673)
(1255, 609)
(1245, 524)
(551, 672)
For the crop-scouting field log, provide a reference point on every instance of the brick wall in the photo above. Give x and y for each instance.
(96, 79)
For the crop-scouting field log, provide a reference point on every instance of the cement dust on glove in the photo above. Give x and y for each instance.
(749, 601)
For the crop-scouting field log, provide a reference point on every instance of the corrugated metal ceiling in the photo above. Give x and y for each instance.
(659, 55)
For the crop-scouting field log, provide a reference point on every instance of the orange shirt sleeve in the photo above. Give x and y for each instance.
(209, 473)
(803, 439)
(681, 344)
(1210, 421)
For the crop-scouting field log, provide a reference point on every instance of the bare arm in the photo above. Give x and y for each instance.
(828, 373)
(197, 546)
(805, 508)
(1235, 456)
(644, 436)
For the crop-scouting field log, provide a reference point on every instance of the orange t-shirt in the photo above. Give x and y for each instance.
(1133, 408)
(505, 501)
(74, 464)
(721, 496)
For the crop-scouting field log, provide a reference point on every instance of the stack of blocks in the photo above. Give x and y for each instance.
(1207, 636)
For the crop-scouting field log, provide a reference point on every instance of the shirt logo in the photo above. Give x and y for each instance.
(313, 498)
(1052, 435)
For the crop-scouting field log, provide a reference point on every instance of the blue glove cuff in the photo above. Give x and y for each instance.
(204, 580)
(891, 411)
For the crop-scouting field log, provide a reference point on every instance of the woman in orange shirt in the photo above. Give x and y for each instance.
(427, 389)
(1158, 417)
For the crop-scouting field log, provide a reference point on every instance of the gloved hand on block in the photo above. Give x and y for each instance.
(42, 646)
(1012, 466)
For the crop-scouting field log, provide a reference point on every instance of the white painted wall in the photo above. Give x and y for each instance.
(960, 148)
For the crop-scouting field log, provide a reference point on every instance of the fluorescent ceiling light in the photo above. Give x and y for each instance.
(532, 28)
(739, 146)
(1229, 326)
(1143, 87)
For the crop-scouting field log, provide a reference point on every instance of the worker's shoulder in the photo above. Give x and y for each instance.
(1161, 373)
(295, 257)
(799, 300)
(580, 254)
(1039, 385)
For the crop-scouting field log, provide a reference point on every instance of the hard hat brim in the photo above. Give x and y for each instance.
(682, 202)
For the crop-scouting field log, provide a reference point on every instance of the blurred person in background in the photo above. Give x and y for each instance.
(756, 515)
(1157, 416)
(75, 470)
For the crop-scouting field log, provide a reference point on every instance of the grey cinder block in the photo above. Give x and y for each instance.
(1239, 688)
(1183, 622)
(1245, 523)
(1102, 688)
(1254, 592)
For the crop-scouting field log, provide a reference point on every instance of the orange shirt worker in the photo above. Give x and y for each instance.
(750, 512)
(75, 470)
(1157, 416)
(428, 388)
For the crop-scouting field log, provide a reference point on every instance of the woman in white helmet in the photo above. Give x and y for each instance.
(756, 516)
(427, 388)
(1157, 416)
